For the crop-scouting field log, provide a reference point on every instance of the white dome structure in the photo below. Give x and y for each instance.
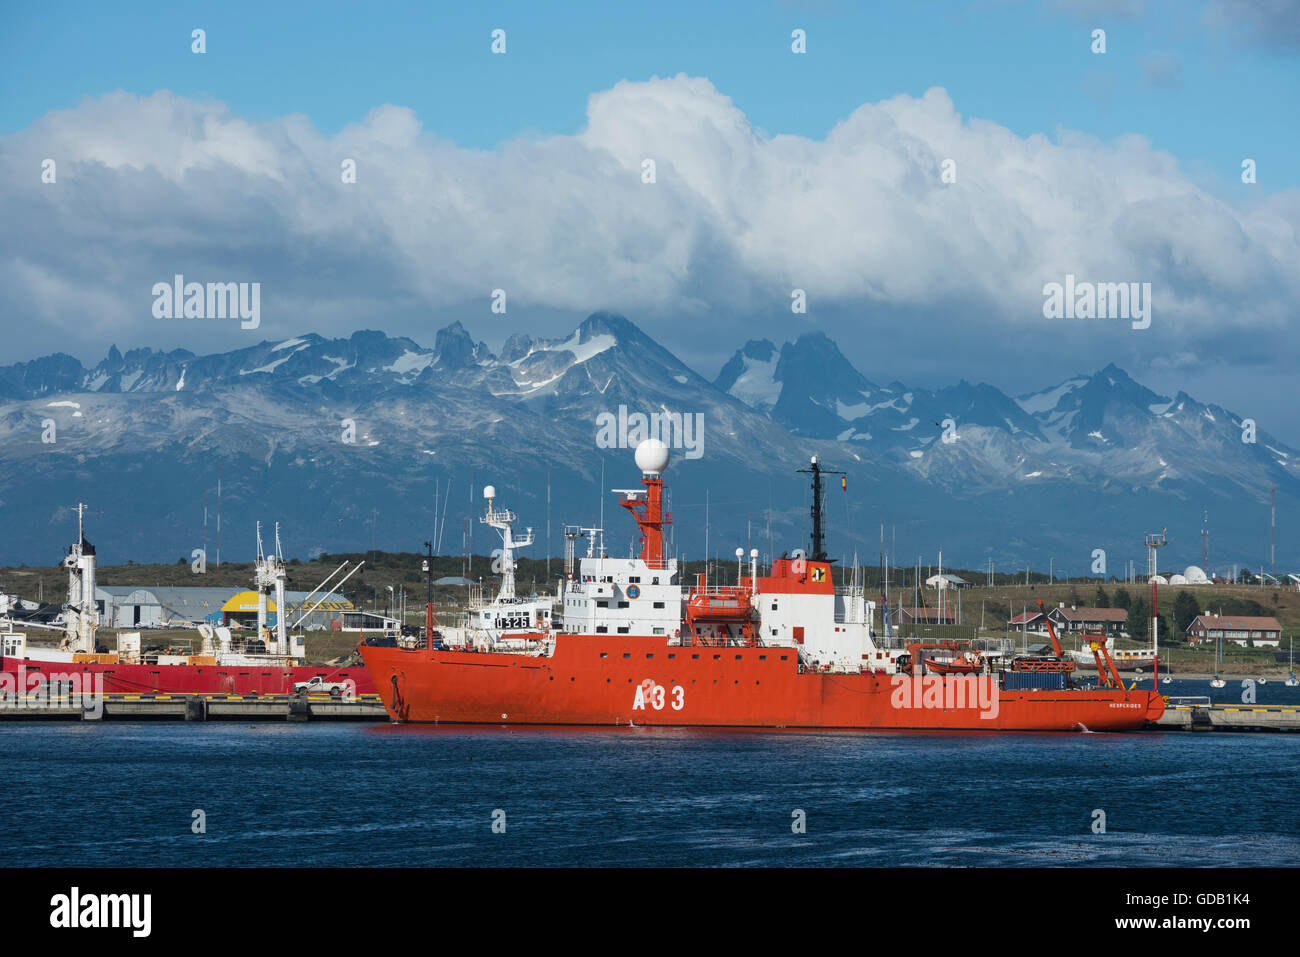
(652, 457)
(1178, 580)
(489, 491)
(1195, 575)
(1158, 580)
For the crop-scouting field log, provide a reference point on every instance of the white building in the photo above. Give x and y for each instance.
(946, 581)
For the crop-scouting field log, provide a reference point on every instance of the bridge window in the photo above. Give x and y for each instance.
(659, 604)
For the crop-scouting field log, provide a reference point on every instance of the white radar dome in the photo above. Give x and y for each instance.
(1195, 575)
(652, 456)
(489, 491)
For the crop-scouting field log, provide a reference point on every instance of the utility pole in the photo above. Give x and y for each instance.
(428, 581)
(1272, 522)
(1155, 542)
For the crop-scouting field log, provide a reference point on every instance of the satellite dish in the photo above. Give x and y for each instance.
(652, 456)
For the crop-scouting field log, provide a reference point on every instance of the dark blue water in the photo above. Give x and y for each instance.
(337, 795)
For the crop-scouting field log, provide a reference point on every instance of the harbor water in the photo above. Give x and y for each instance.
(138, 794)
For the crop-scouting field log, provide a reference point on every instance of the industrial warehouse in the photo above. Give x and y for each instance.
(124, 606)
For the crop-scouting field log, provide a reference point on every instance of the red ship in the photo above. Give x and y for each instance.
(778, 650)
(269, 663)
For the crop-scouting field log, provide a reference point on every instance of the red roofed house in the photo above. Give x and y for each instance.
(1110, 620)
(1028, 621)
(1262, 631)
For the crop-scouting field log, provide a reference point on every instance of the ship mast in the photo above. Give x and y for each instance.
(503, 521)
(818, 536)
(269, 572)
(651, 458)
(428, 580)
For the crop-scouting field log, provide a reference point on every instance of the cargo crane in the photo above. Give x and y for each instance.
(1056, 662)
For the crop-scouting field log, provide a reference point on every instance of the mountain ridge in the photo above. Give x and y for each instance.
(274, 413)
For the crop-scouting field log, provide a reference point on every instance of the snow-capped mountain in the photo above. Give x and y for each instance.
(1105, 430)
(354, 442)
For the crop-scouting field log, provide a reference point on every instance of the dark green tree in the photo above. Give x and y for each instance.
(1122, 598)
(1139, 619)
(1185, 611)
(1101, 599)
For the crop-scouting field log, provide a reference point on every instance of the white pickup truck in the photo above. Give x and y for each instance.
(319, 685)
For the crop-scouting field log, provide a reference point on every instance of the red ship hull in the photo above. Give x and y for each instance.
(180, 679)
(603, 680)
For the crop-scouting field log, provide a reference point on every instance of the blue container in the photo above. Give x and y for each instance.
(1033, 681)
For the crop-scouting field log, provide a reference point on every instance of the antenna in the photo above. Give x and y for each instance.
(1205, 543)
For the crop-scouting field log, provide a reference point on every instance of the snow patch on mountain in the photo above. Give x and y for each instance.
(757, 386)
(1048, 399)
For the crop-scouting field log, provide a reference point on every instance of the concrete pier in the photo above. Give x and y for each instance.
(163, 707)
(1226, 717)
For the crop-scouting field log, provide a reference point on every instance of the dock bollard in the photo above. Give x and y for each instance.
(196, 708)
(299, 708)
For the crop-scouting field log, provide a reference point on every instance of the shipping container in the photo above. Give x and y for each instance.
(1033, 681)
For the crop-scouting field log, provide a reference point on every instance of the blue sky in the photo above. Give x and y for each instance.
(1222, 95)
